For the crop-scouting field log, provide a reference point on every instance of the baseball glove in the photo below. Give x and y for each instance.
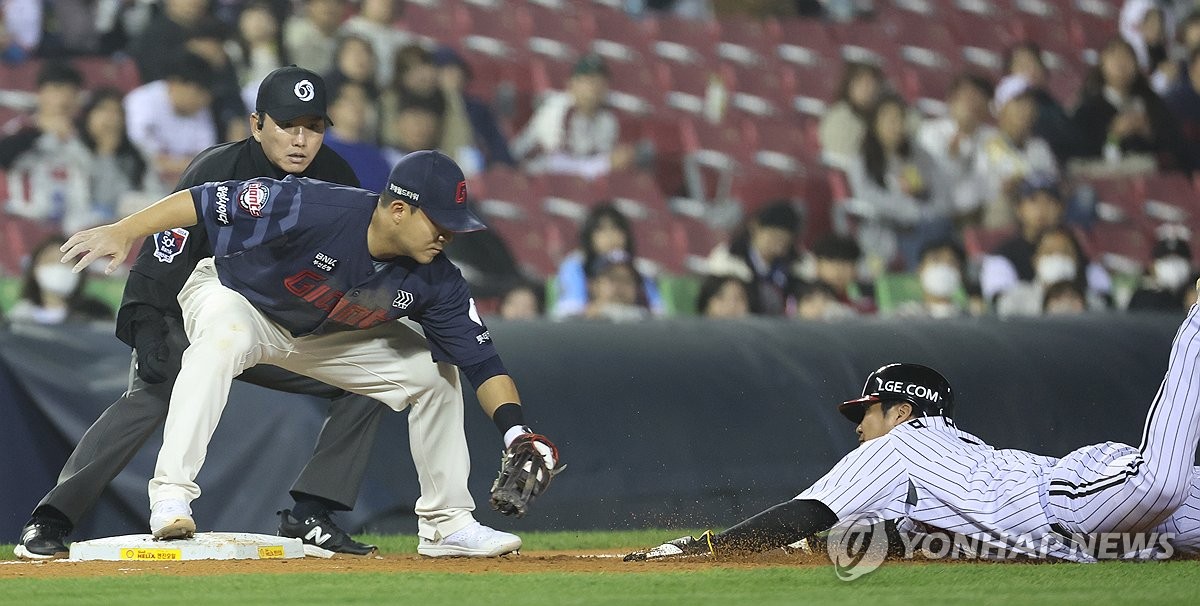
(526, 468)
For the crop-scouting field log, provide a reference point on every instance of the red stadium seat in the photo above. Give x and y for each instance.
(806, 42)
(442, 23)
(572, 196)
(980, 241)
(748, 41)
(662, 241)
(680, 40)
(538, 246)
(763, 89)
(1168, 197)
(505, 192)
(1119, 247)
(21, 76)
(636, 194)
(121, 74)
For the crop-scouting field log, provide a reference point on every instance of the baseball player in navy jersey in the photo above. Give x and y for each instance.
(916, 467)
(345, 286)
(287, 127)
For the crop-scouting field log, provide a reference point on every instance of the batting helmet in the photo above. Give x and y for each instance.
(923, 387)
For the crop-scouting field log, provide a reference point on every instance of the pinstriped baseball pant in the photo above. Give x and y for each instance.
(1114, 487)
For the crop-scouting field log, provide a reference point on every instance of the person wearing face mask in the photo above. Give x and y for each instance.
(943, 292)
(52, 294)
(1057, 258)
(1169, 274)
(1039, 206)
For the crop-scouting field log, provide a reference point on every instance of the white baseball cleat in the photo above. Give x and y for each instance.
(474, 541)
(172, 519)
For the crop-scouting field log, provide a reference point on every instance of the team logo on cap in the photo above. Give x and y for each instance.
(460, 193)
(305, 91)
(253, 198)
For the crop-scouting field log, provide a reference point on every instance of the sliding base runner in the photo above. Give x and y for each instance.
(203, 546)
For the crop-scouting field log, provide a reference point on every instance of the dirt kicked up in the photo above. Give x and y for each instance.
(530, 562)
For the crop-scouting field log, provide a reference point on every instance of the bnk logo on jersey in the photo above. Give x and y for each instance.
(253, 198)
(168, 244)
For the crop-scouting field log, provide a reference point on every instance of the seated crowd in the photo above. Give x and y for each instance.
(984, 208)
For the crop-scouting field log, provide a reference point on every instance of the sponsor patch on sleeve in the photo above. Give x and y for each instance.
(253, 198)
(168, 244)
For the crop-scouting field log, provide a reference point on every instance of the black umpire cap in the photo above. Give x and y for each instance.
(291, 92)
(923, 387)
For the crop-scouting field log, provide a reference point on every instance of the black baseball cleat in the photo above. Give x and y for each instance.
(322, 538)
(42, 539)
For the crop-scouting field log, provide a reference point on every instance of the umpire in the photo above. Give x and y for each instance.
(288, 129)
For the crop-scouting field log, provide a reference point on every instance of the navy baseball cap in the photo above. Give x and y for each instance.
(290, 92)
(1039, 182)
(432, 182)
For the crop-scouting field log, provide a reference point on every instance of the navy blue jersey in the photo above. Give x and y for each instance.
(297, 250)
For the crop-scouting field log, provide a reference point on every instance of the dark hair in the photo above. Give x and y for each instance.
(1081, 260)
(1011, 53)
(1094, 83)
(434, 102)
(1059, 289)
(781, 214)
(189, 67)
(873, 155)
(972, 80)
(539, 293)
(851, 71)
(280, 47)
(801, 290)
(836, 247)
(59, 72)
(1193, 56)
(591, 225)
(943, 243)
(406, 57)
(713, 285)
(602, 264)
(30, 291)
(125, 148)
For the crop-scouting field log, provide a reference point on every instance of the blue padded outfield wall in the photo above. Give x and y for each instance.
(667, 423)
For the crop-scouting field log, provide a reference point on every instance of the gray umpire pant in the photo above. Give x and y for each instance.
(334, 473)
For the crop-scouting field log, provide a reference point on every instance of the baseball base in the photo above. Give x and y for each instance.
(203, 546)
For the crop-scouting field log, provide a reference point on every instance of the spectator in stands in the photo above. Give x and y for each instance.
(415, 124)
(615, 289)
(207, 41)
(1064, 298)
(1120, 119)
(725, 297)
(1184, 102)
(171, 120)
(51, 293)
(1188, 33)
(349, 108)
(47, 163)
(166, 35)
(1170, 274)
(816, 302)
(258, 49)
(1057, 257)
(575, 132)
(899, 196)
(415, 78)
(375, 22)
(120, 180)
(1053, 124)
(604, 232)
(22, 31)
(943, 292)
(836, 261)
(1143, 25)
(845, 122)
(954, 140)
(764, 253)
(354, 60)
(310, 38)
(1039, 207)
(1013, 152)
(524, 301)
(470, 134)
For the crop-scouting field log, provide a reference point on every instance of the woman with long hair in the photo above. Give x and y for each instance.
(604, 233)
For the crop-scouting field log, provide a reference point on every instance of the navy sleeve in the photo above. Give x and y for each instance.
(452, 325)
(242, 214)
(478, 374)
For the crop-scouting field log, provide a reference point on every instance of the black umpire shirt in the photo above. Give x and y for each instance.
(166, 259)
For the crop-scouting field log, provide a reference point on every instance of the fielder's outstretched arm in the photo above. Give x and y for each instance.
(115, 239)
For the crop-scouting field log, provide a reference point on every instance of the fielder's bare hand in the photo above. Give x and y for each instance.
(104, 241)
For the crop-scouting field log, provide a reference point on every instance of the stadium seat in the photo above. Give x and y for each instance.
(446, 24)
(1168, 197)
(662, 241)
(118, 73)
(19, 76)
(537, 246)
(636, 194)
(680, 40)
(571, 196)
(748, 41)
(1116, 201)
(980, 241)
(1119, 247)
(549, 28)
(505, 192)
(764, 89)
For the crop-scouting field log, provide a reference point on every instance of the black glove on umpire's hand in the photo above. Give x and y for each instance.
(149, 328)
